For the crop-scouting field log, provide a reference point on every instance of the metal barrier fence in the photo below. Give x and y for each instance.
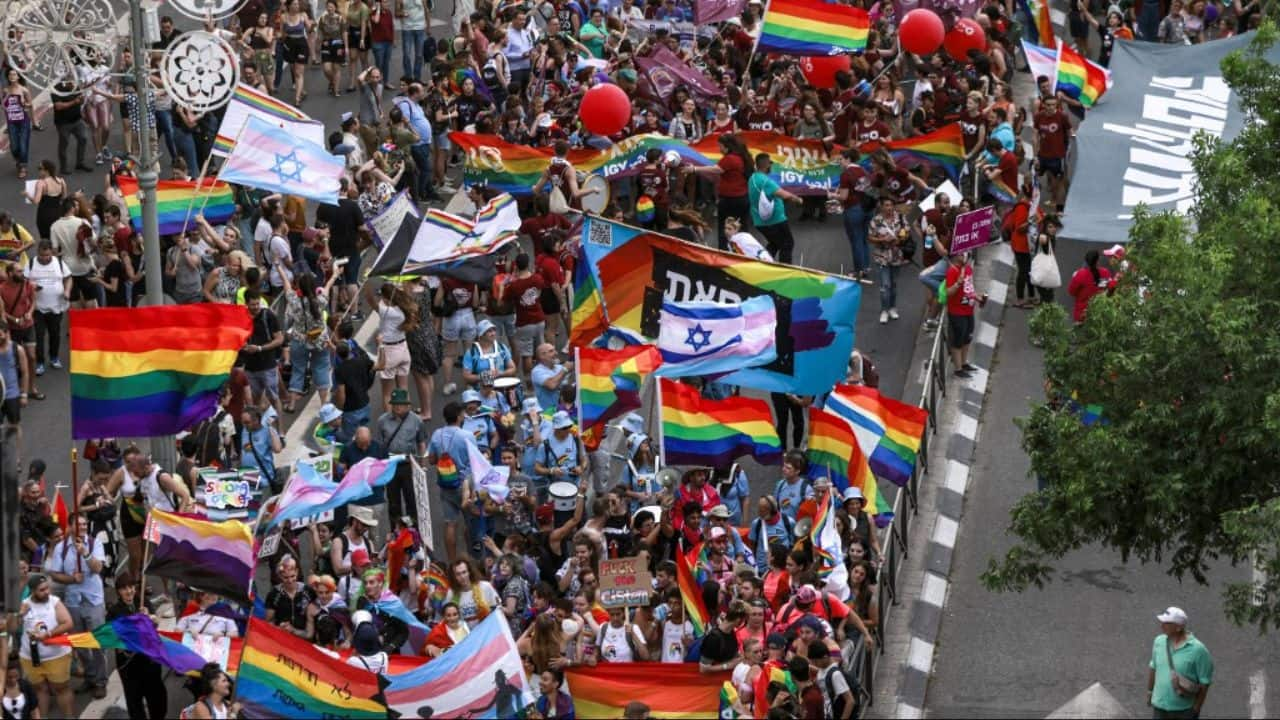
(895, 538)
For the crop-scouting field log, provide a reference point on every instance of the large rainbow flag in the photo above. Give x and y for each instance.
(395, 663)
(804, 167)
(609, 386)
(284, 676)
(698, 431)
(179, 201)
(144, 372)
(896, 427)
(213, 556)
(135, 633)
(671, 690)
(834, 453)
(942, 148)
(1081, 78)
(635, 271)
(1037, 24)
(588, 320)
(812, 27)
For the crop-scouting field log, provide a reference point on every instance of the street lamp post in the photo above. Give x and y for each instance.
(162, 448)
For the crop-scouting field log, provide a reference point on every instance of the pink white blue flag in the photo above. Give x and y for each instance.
(706, 338)
(1043, 61)
(309, 493)
(270, 158)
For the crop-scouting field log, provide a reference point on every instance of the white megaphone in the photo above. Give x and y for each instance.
(668, 477)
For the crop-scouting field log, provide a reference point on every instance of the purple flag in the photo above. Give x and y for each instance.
(711, 11)
(666, 71)
(948, 10)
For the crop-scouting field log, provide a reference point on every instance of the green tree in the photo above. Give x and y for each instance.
(1184, 470)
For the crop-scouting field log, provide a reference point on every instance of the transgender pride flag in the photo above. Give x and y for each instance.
(705, 338)
(269, 158)
(480, 677)
(310, 494)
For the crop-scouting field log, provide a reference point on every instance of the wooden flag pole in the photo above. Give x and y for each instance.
(75, 484)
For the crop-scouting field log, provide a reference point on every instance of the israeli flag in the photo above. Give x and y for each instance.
(705, 338)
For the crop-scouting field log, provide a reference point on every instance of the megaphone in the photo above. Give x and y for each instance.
(668, 477)
(803, 526)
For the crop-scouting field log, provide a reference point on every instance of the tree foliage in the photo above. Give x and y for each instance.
(1185, 469)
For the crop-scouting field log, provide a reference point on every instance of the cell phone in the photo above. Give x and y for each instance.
(340, 262)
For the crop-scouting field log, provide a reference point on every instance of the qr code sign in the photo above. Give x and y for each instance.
(600, 233)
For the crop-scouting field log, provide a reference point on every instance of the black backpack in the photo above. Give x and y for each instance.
(838, 701)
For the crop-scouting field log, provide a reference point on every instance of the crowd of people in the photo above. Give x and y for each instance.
(516, 70)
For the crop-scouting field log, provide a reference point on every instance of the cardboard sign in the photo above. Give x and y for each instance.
(625, 582)
(226, 492)
(973, 230)
(422, 493)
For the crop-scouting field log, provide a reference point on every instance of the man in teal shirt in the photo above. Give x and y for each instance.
(773, 226)
(1191, 661)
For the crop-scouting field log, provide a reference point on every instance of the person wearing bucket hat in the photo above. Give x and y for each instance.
(638, 475)
(478, 422)
(532, 429)
(1180, 671)
(325, 434)
(400, 431)
(487, 358)
(561, 457)
(858, 523)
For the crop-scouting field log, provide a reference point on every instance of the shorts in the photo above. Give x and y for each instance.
(528, 337)
(441, 141)
(83, 289)
(550, 301)
(960, 329)
(353, 40)
(55, 672)
(459, 326)
(351, 271)
(395, 360)
(332, 51)
(1052, 166)
(932, 276)
(11, 409)
(23, 336)
(451, 501)
(296, 50)
(265, 381)
(97, 115)
(130, 528)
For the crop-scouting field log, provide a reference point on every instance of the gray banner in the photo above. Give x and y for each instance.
(1133, 147)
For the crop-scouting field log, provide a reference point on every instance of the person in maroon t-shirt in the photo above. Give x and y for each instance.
(731, 192)
(870, 129)
(924, 119)
(973, 125)
(761, 116)
(547, 264)
(854, 184)
(525, 291)
(1053, 135)
(654, 181)
(544, 222)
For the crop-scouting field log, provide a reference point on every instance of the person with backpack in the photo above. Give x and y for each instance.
(767, 201)
(487, 358)
(770, 527)
(793, 489)
(447, 450)
(838, 699)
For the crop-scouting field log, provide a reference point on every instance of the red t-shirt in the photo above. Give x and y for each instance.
(897, 184)
(549, 268)
(1016, 223)
(526, 294)
(961, 301)
(384, 30)
(733, 180)
(539, 226)
(1009, 170)
(463, 292)
(653, 182)
(875, 132)
(766, 121)
(1055, 133)
(970, 125)
(856, 181)
(1082, 287)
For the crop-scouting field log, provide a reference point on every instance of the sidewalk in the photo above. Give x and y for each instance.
(903, 669)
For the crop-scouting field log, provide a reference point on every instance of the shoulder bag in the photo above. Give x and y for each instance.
(1044, 270)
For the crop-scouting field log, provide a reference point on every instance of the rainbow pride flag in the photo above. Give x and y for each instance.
(178, 202)
(1081, 78)
(160, 377)
(698, 431)
(284, 676)
(249, 102)
(588, 320)
(691, 590)
(609, 386)
(834, 453)
(812, 27)
(1037, 25)
(804, 167)
(213, 556)
(671, 690)
(899, 428)
(135, 633)
(942, 148)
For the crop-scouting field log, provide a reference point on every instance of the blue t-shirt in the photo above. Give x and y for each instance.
(479, 426)
(531, 453)
(540, 374)
(261, 439)
(564, 454)
(478, 361)
(762, 184)
(734, 495)
(790, 495)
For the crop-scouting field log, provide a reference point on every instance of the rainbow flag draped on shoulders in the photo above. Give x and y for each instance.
(1081, 78)
(178, 202)
(213, 556)
(609, 386)
(144, 372)
(888, 430)
(812, 27)
(711, 433)
(135, 633)
(284, 676)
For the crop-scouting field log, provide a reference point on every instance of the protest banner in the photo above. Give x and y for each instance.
(973, 229)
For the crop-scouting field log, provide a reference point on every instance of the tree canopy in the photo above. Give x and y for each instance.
(1184, 468)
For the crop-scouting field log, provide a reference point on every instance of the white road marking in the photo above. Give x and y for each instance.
(1258, 694)
(957, 477)
(944, 533)
(934, 590)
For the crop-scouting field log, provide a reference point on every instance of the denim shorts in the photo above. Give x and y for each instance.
(267, 381)
(441, 142)
(460, 326)
(933, 276)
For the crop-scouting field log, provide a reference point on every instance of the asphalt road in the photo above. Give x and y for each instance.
(1024, 655)
(46, 425)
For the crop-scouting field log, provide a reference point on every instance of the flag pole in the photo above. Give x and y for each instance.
(75, 484)
(657, 394)
(755, 45)
(200, 179)
(577, 398)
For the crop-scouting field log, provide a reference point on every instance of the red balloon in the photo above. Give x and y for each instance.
(605, 109)
(921, 32)
(965, 36)
(821, 71)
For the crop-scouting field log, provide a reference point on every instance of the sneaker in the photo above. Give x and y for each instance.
(969, 367)
(56, 363)
(893, 313)
(931, 324)
(98, 160)
(450, 388)
(962, 373)
(39, 369)
(884, 317)
(99, 692)
(864, 277)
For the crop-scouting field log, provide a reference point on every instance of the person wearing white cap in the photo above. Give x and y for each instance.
(860, 528)
(487, 358)
(325, 434)
(1180, 670)
(478, 423)
(561, 457)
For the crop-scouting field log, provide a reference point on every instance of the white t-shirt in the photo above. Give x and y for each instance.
(373, 663)
(613, 643)
(390, 319)
(745, 243)
(467, 602)
(41, 616)
(278, 252)
(202, 623)
(673, 640)
(48, 279)
(838, 684)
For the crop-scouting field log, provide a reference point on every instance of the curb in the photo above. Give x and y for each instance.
(926, 610)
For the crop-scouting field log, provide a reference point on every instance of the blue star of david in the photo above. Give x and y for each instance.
(282, 173)
(698, 337)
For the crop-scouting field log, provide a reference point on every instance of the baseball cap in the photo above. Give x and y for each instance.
(1173, 615)
(627, 74)
(717, 533)
(1114, 251)
(806, 595)
(359, 558)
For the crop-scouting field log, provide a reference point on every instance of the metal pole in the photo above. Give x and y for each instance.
(162, 448)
